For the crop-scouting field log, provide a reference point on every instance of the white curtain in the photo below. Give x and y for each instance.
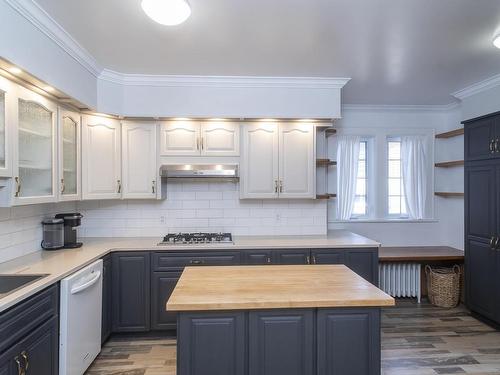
(413, 160)
(347, 171)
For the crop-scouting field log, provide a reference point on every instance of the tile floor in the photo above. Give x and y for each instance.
(416, 340)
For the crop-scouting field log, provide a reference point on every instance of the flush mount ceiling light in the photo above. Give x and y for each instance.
(167, 12)
(496, 41)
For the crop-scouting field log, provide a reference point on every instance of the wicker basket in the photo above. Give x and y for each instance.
(443, 285)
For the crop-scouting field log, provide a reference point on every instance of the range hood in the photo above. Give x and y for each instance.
(218, 171)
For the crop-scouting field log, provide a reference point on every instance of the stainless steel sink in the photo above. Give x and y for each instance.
(11, 283)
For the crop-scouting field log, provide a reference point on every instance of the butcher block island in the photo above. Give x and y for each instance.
(277, 320)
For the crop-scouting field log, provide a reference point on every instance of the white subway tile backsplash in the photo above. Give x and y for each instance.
(202, 206)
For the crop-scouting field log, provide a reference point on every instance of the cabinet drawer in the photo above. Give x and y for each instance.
(166, 261)
(22, 318)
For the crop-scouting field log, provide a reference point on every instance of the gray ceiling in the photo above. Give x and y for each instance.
(396, 51)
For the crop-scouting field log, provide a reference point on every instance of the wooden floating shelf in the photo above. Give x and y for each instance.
(325, 162)
(448, 194)
(449, 164)
(330, 131)
(452, 133)
(325, 196)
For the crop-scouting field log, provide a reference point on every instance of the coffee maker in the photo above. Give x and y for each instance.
(71, 222)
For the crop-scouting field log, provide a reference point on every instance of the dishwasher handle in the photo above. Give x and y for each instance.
(88, 284)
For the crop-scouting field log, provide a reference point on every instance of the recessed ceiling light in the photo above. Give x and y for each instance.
(167, 12)
(15, 70)
(496, 41)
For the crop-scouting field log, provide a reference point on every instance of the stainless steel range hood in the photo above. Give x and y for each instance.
(215, 171)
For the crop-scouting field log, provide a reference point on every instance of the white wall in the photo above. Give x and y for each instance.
(482, 103)
(446, 227)
(201, 206)
(21, 229)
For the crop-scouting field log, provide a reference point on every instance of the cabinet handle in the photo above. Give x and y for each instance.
(197, 143)
(196, 261)
(281, 186)
(202, 142)
(275, 186)
(496, 145)
(63, 187)
(153, 184)
(20, 369)
(26, 361)
(268, 259)
(491, 242)
(492, 146)
(18, 187)
(308, 259)
(495, 245)
(314, 259)
(119, 182)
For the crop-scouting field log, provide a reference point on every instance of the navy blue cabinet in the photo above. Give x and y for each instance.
(131, 274)
(162, 286)
(281, 342)
(212, 343)
(107, 303)
(299, 256)
(29, 335)
(482, 216)
(348, 341)
(364, 262)
(258, 257)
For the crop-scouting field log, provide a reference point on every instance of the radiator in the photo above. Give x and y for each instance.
(400, 279)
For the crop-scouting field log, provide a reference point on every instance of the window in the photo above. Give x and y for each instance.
(396, 198)
(360, 202)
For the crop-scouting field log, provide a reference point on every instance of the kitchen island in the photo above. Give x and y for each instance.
(277, 320)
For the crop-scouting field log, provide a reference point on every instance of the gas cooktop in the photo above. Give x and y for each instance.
(198, 238)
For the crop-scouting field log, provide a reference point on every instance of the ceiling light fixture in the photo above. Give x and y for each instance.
(48, 88)
(496, 41)
(167, 12)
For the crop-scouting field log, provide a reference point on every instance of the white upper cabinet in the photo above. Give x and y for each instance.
(278, 160)
(260, 160)
(191, 138)
(297, 161)
(220, 138)
(69, 136)
(180, 138)
(34, 149)
(139, 160)
(8, 117)
(101, 158)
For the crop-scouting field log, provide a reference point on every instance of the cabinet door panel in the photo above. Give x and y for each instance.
(36, 149)
(292, 256)
(107, 303)
(480, 201)
(364, 262)
(327, 256)
(259, 161)
(212, 343)
(348, 342)
(69, 155)
(180, 138)
(131, 273)
(139, 160)
(478, 137)
(297, 162)
(220, 138)
(101, 164)
(162, 286)
(281, 342)
(258, 257)
(481, 278)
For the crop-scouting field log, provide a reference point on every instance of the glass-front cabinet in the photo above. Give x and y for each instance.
(35, 157)
(69, 155)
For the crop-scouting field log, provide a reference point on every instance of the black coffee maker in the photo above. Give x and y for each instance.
(71, 222)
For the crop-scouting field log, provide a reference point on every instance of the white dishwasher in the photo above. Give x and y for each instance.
(80, 319)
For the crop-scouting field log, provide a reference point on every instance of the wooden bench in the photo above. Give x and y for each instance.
(421, 254)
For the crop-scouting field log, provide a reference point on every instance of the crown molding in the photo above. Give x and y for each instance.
(221, 81)
(39, 18)
(478, 87)
(401, 108)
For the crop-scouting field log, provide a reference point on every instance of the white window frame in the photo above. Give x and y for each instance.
(400, 216)
(369, 181)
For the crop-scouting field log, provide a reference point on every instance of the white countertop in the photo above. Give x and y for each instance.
(61, 263)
